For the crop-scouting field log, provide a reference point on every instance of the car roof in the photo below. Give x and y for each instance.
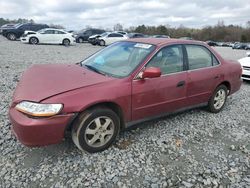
(164, 41)
(54, 29)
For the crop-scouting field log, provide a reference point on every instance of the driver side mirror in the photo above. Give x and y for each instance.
(150, 72)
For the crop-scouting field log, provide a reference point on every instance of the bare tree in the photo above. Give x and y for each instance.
(118, 27)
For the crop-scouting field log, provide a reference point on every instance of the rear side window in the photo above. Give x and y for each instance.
(115, 35)
(59, 32)
(215, 61)
(198, 57)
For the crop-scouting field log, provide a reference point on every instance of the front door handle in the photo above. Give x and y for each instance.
(181, 83)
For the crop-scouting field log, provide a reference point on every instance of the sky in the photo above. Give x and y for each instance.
(77, 14)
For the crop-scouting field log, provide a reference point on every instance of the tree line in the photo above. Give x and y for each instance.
(219, 32)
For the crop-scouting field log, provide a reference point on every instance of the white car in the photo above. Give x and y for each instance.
(245, 63)
(110, 38)
(48, 36)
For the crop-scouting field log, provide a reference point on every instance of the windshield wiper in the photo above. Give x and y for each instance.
(94, 69)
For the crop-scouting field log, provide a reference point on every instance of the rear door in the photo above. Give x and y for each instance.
(59, 36)
(204, 74)
(167, 93)
(47, 36)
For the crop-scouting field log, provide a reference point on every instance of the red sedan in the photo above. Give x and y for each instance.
(123, 84)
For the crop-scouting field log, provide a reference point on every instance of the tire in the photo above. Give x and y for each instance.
(33, 40)
(80, 40)
(66, 42)
(11, 36)
(102, 43)
(218, 99)
(95, 130)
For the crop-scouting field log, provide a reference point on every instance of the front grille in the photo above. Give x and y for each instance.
(246, 68)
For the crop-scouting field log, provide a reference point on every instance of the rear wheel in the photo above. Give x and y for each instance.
(102, 43)
(80, 40)
(33, 40)
(66, 42)
(95, 130)
(218, 99)
(11, 36)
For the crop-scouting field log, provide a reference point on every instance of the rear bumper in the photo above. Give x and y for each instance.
(40, 131)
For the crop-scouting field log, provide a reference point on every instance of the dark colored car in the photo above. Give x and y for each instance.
(16, 32)
(247, 47)
(83, 35)
(212, 43)
(136, 35)
(239, 46)
(126, 83)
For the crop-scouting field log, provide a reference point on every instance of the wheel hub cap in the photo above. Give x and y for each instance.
(99, 131)
(219, 99)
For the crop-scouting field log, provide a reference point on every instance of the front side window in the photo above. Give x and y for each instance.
(169, 60)
(119, 59)
(198, 57)
(49, 32)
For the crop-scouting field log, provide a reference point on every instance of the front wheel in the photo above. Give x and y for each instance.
(218, 99)
(33, 40)
(102, 43)
(95, 130)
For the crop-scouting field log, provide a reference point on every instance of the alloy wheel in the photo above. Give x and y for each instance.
(99, 131)
(219, 99)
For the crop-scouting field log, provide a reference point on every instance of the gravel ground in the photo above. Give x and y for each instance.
(189, 149)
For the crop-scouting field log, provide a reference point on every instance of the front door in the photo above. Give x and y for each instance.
(167, 93)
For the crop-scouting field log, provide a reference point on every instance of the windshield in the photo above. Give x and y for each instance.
(41, 30)
(119, 59)
(104, 34)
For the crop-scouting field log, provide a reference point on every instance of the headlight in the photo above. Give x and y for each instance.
(38, 109)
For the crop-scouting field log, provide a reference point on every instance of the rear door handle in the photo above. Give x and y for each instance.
(181, 83)
(216, 77)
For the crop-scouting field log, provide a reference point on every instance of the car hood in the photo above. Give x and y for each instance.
(93, 36)
(43, 81)
(245, 61)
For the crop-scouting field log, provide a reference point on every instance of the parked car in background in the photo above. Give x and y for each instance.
(110, 38)
(136, 35)
(212, 43)
(225, 44)
(14, 33)
(126, 83)
(239, 46)
(247, 47)
(83, 35)
(161, 36)
(48, 36)
(94, 38)
(245, 63)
